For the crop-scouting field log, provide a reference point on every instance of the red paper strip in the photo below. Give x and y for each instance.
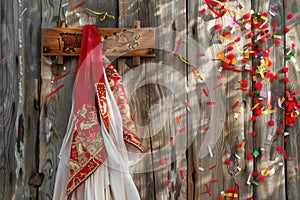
(177, 120)
(182, 130)
(231, 190)
(236, 104)
(171, 141)
(168, 182)
(205, 92)
(214, 181)
(177, 47)
(182, 174)
(237, 70)
(212, 167)
(274, 9)
(242, 144)
(208, 190)
(78, 5)
(54, 91)
(211, 103)
(62, 76)
(274, 26)
(217, 86)
(201, 54)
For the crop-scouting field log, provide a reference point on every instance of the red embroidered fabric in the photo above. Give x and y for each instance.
(88, 148)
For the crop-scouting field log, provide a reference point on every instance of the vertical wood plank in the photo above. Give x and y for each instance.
(142, 102)
(8, 98)
(266, 135)
(157, 14)
(193, 186)
(31, 69)
(193, 172)
(22, 135)
(293, 143)
(234, 130)
(205, 33)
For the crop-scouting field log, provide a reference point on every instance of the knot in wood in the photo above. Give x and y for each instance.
(36, 180)
(233, 167)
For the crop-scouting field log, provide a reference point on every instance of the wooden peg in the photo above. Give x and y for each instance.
(60, 59)
(136, 61)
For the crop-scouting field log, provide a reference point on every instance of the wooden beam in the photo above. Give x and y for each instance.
(117, 42)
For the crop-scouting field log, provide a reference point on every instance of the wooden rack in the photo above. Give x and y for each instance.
(117, 42)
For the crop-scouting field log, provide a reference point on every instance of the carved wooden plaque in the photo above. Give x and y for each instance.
(117, 41)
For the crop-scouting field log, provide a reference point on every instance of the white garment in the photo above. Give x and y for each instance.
(112, 179)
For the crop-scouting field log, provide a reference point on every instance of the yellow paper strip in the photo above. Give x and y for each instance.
(268, 112)
(255, 106)
(277, 36)
(234, 61)
(264, 18)
(255, 20)
(267, 62)
(247, 54)
(231, 194)
(223, 58)
(105, 14)
(282, 100)
(267, 105)
(266, 172)
(295, 113)
(201, 77)
(223, 37)
(185, 61)
(241, 110)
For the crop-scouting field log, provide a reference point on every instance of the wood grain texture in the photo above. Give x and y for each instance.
(293, 144)
(31, 80)
(21, 122)
(225, 148)
(150, 96)
(32, 153)
(266, 135)
(8, 98)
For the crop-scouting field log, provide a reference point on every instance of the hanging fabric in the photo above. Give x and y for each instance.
(100, 143)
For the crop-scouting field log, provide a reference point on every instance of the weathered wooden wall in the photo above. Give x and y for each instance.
(32, 126)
